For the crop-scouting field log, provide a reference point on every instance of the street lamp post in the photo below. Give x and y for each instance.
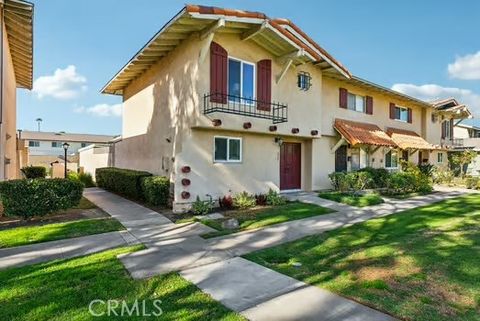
(65, 148)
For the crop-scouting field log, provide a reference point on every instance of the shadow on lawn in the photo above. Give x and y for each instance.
(422, 264)
(63, 290)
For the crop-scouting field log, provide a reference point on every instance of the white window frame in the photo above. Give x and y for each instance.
(241, 79)
(36, 143)
(385, 159)
(228, 160)
(440, 158)
(355, 104)
(58, 145)
(399, 119)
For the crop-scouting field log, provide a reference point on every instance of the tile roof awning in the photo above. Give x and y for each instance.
(356, 133)
(407, 139)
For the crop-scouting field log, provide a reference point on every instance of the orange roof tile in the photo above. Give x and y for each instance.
(407, 139)
(277, 24)
(362, 133)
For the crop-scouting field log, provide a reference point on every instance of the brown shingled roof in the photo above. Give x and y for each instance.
(407, 139)
(224, 11)
(362, 133)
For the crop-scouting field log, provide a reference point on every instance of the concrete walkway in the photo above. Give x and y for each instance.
(63, 249)
(255, 291)
(261, 294)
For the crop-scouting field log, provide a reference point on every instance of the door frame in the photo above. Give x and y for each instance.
(300, 165)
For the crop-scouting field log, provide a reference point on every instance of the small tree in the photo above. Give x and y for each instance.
(459, 161)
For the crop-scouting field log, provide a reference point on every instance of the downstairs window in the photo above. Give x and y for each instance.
(228, 150)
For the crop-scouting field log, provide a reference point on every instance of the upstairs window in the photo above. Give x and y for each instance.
(56, 144)
(241, 80)
(228, 150)
(356, 102)
(391, 159)
(447, 130)
(34, 143)
(304, 80)
(401, 113)
(83, 144)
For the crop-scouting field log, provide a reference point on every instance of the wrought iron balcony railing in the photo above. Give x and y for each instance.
(223, 103)
(457, 142)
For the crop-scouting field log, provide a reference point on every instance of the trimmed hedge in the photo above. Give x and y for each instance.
(84, 178)
(38, 197)
(156, 190)
(122, 181)
(34, 171)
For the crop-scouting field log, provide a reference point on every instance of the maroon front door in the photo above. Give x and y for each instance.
(290, 166)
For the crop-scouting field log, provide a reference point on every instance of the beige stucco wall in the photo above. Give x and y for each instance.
(164, 127)
(8, 144)
(460, 132)
(258, 171)
(381, 108)
(93, 157)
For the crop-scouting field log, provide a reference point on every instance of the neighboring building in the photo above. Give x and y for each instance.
(223, 101)
(95, 156)
(47, 147)
(467, 137)
(16, 71)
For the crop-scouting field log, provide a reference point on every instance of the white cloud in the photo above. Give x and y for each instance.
(63, 84)
(466, 67)
(431, 92)
(101, 110)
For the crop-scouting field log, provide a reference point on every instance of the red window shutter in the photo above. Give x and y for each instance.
(392, 111)
(410, 115)
(264, 84)
(369, 103)
(343, 98)
(451, 128)
(443, 130)
(218, 73)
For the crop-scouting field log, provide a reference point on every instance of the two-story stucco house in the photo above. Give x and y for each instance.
(225, 100)
(16, 71)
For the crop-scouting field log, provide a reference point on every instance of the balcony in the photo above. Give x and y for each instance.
(223, 103)
(457, 142)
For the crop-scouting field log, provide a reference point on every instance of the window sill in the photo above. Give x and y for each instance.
(226, 162)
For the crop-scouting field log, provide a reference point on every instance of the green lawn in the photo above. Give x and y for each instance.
(422, 264)
(62, 290)
(251, 219)
(353, 200)
(56, 231)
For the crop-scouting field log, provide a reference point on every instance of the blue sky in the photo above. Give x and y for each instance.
(429, 49)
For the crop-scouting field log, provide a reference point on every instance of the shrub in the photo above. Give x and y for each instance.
(275, 199)
(200, 207)
(226, 202)
(409, 181)
(339, 182)
(125, 182)
(427, 169)
(261, 199)
(84, 178)
(350, 182)
(244, 200)
(38, 197)
(472, 182)
(156, 190)
(378, 177)
(443, 176)
(34, 171)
